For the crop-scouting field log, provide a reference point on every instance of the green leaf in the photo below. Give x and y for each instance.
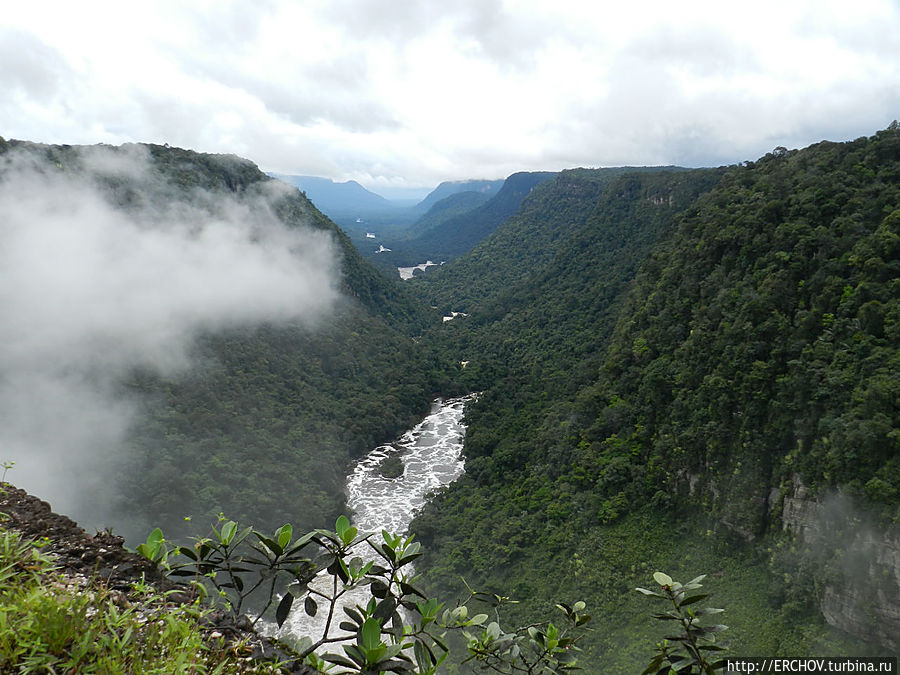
(341, 525)
(666, 617)
(423, 658)
(369, 636)
(379, 589)
(677, 665)
(155, 538)
(283, 535)
(226, 534)
(385, 609)
(392, 651)
(243, 534)
(662, 579)
(353, 614)
(646, 592)
(283, 609)
(339, 660)
(411, 590)
(356, 654)
(187, 552)
(301, 542)
(310, 606)
(654, 665)
(338, 568)
(270, 544)
(349, 535)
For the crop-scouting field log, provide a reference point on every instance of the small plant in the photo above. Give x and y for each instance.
(6, 467)
(398, 629)
(53, 624)
(688, 651)
(155, 549)
(537, 648)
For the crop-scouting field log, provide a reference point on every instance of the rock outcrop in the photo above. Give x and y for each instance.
(860, 593)
(101, 558)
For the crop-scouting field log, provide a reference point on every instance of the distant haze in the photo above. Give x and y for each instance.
(91, 291)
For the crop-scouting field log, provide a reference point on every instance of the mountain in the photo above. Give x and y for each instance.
(337, 199)
(449, 238)
(693, 371)
(448, 188)
(525, 242)
(449, 207)
(221, 404)
(690, 371)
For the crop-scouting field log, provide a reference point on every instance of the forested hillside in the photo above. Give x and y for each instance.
(525, 243)
(449, 207)
(488, 188)
(664, 422)
(263, 423)
(452, 237)
(693, 371)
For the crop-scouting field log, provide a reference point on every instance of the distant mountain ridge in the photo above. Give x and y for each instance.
(332, 198)
(447, 208)
(448, 188)
(457, 235)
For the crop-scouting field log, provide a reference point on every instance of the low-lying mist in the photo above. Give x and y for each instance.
(107, 267)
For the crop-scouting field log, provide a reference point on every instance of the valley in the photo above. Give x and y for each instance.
(686, 370)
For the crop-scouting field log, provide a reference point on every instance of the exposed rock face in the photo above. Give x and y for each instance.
(101, 556)
(861, 594)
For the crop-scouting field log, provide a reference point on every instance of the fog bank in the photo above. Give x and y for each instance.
(95, 285)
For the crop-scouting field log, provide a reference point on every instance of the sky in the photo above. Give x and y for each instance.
(407, 93)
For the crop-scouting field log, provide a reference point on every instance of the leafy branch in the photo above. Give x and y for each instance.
(398, 629)
(688, 651)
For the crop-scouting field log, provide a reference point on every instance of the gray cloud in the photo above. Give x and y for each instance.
(30, 66)
(92, 291)
(429, 90)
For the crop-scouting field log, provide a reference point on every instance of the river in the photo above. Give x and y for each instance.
(431, 454)
(407, 272)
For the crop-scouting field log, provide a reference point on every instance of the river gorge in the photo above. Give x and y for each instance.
(431, 456)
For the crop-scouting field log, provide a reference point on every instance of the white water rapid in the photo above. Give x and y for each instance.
(431, 456)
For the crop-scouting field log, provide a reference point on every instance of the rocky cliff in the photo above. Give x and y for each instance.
(859, 588)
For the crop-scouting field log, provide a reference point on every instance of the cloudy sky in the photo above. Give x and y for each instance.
(397, 93)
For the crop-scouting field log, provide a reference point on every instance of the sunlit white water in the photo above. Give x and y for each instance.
(431, 456)
(407, 272)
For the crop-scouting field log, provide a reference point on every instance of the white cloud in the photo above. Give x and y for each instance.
(427, 90)
(92, 291)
